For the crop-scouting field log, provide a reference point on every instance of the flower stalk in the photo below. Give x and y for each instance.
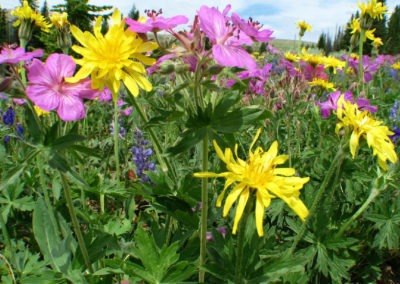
(204, 211)
(75, 223)
(335, 166)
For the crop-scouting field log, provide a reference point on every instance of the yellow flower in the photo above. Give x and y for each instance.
(260, 176)
(291, 56)
(333, 62)
(303, 27)
(363, 125)
(40, 111)
(26, 14)
(355, 26)
(396, 66)
(113, 57)
(373, 9)
(60, 21)
(322, 83)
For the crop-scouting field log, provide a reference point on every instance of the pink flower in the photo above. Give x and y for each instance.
(252, 29)
(49, 90)
(331, 103)
(155, 22)
(13, 56)
(226, 38)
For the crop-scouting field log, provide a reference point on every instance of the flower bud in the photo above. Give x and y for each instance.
(6, 84)
(215, 69)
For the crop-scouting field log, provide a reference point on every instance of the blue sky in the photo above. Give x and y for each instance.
(280, 16)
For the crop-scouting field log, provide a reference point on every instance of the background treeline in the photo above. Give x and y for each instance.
(80, 13)
(388, 29)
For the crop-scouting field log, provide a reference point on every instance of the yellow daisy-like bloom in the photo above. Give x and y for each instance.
(113, 57)
(291, 56)
(373, 9)
(303, 27)
(260, 176)
(355, 26)
(26, 14)
(396, 65)
(322, 83)
(335, 63)
(362, 124)
(59, 20)
(313, 59)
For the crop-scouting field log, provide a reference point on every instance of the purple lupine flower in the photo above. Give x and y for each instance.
(122, 130)
(141, 156)
(155, 22)
(395, 118)
(9, 116)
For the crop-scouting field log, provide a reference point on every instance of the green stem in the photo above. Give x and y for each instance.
(204, 211)
(336, 163)
(75, 223)
(165, 164)
(4, 229)
(241, 240)
(372, 195)
(360, 60)
(9, 268)
(116, 140)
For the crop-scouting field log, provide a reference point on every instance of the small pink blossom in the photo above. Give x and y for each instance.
(15, 55)
(226, 39)
(49, 90)
(155, 22)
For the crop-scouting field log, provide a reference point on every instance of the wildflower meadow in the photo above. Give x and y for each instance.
(193, 150)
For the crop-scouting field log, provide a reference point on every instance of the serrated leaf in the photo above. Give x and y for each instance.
(118, 227)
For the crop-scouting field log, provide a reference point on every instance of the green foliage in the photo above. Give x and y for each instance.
(392, 43)
(80, 12)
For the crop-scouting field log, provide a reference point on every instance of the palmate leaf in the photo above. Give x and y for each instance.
(11, 199)
(160, 265)
(388, 228)
(223, 117)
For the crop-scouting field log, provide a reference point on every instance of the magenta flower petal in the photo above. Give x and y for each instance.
(38, 73)
(71, 108)
(13, 56)
(233, 56)
(62, 66)
(213, 23)
(49, 90)
(43, 97)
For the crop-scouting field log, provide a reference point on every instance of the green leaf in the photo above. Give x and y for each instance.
(33, 126)
(187, 140)
(118, 227)
(66, 141)
(55, 251)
